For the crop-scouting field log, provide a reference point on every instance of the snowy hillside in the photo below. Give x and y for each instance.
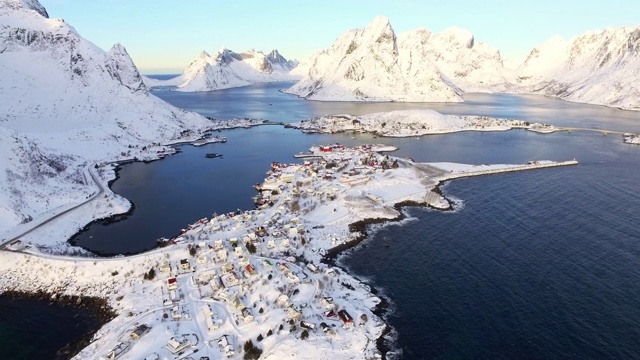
(227, 69)
(598, 67)
(373, 64)
(66, 104)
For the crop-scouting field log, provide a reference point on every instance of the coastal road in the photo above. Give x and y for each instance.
(40, 222)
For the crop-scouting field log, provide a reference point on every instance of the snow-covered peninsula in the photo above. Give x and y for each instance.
(403, 123)
(253, 281)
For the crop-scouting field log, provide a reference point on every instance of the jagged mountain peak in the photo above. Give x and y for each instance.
(121, 68)
(25, 4)
(226, 56)
(274, 53)
(380, 25)
(274, 56)
(374, 64)
(203, 55)
(227, 68)
(459, 37)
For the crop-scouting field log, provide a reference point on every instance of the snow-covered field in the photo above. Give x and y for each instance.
(256, 275)
(403, 123)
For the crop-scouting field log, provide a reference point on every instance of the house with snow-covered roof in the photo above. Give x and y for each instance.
(139, 331)
(177, 344)
(185, 265)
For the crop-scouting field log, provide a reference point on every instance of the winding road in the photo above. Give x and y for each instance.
(35, 224)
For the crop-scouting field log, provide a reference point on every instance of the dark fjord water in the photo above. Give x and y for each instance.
(537, 265)
(540, 264)
(37, 329)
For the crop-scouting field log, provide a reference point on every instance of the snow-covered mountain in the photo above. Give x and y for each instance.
(598, 67)
(373, 64)
(66, 104)
(227, 69)
(472, 66)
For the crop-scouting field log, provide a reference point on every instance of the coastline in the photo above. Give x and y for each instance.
(391, 185)
(360, 227)
(113, 205)
(410, 185)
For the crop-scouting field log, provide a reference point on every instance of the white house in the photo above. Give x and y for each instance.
(283, 300)
(185, 265)
(177, 344)
(327, 302)
(225, 346)
(293, 312)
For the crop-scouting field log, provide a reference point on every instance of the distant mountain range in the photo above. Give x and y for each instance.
(227, 69)
(375, 64)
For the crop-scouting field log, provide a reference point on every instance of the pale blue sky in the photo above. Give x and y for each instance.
(163, 36)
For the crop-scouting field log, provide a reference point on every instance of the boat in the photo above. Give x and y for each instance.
(212, 155)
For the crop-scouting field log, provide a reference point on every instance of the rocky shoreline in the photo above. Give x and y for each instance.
(360, 227)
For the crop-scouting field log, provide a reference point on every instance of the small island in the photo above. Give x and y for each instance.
(259, 281)
(406, 123)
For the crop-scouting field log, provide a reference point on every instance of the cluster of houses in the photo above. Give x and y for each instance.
(246, 258)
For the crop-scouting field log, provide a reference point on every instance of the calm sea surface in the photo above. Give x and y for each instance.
(541, 265)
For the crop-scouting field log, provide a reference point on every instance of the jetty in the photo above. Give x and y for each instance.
(531, 166)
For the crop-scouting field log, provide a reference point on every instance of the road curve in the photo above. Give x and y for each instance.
(102, 190)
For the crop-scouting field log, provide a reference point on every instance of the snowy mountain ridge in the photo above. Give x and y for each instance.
(373, 64)
(65, 105)
(227, 69)
(598, 67)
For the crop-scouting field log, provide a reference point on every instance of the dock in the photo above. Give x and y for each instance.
(309, 155)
